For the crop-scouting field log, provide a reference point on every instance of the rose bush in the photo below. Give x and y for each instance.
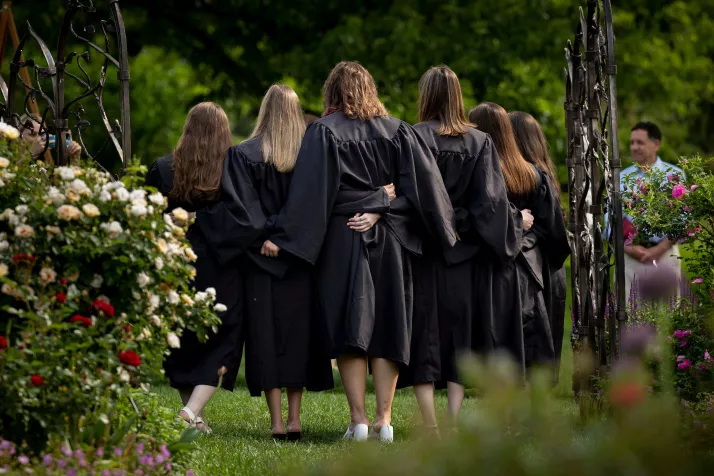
(95, 289)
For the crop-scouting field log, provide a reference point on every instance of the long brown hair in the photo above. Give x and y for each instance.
(351, 88)
(199, 154)
(440, 100)
(280, 127)
(492, 119)
(532, 144)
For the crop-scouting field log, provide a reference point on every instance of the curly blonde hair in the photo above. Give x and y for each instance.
(351, 88)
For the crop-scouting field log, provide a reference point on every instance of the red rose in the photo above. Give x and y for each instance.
(103, 306)
(37, 380)
(22, 257)
(63, 281)
(3, 343)
(61, 298)
(130, 358)
(83, 321)
(127, 328)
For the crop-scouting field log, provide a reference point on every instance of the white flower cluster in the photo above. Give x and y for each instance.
(8, 131)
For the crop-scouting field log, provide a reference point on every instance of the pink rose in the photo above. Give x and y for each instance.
(680, 334)
(694, 187)
(678, 191)
(684, 365)
(698, 281)
(670, 177)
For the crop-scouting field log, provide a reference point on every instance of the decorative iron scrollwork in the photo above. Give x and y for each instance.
(596, 238)
(57, 113)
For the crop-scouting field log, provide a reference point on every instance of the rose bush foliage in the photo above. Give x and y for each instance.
(95, 289)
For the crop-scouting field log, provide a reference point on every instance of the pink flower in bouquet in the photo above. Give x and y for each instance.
(698, 281)
(694, 187)
(678, 191)
(684, 365)
(680, 334)
(670, 177)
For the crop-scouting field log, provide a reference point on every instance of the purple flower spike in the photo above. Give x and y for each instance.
(23, 459)
(47, 460)
(140, 448)
(66, 451)
(61, 463)
(167, 467)
(100, 452)
(165, 451)
(118, 452)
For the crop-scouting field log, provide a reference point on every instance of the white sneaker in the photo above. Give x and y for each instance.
(358, 433)
(385, 435)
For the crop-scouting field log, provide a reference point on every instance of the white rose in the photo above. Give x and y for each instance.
(68, 212)
(9, 131)
(155, 320)
(137, 194)
(173, 341)
(162, 245)
(4, 245)
(105, 196)
(91, 210)
(24, 231)
(139, 210)
(123, 374)
(211, 292)
(169, 222)
(173, 297)
(14, 220)
(97, 281)
(7, 213)
(157, 199)
(65, 173)
(145, 333)
(112, 186)
(154, 301)
(180, 216)
(56, 196)
(190, 254)
(4, 162)
(201, 296)
(122, 194)
(48, 275)
(3, 270)
(142, 280)
(159, 263)
(113, 229)
(80, 187)
(22, 209)
(220, 307)
(72, 291)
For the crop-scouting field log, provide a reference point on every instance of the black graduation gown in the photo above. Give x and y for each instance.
(280, 304)
(543, 252)
(453, 313)
(196, 363)
(364, 279)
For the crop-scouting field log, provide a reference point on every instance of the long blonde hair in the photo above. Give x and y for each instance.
(199, 154)
(280, 127)
(440, 100)
(518, 174)
(351, 88)
(532, 144)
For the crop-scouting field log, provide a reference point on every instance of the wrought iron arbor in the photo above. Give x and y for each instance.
(29, 79)
(593, 162)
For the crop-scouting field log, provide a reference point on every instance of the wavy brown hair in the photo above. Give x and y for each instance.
(532, 144)
(199, 154)
(351, 88)
(518, 174)
(280, 127)
(440, 100)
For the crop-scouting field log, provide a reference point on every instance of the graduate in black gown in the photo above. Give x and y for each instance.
(527, 332)
(190, 178)
(280, 307)
(449, 283)
(534, 148)
(364, 275)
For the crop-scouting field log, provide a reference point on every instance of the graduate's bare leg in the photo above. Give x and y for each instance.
(456, 398)
(275, 407)
(424, 393)
(353, 371)
(385, 373)
(294, 400)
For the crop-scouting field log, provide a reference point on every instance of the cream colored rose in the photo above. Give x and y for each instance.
(68, 212)
(173, 297)
(155, 320)
(72, 196)
(143, 280)
(220, 307)
(4, 162)
(159, 263)
(187, 300)
(173, 341)
(180, 216)
(24, 231)
(157, 199)
(65, 173)
(91, 210)
(48, 275)
(3, 270)
(190, 254)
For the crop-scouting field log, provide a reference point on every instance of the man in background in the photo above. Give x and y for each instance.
(645, 141)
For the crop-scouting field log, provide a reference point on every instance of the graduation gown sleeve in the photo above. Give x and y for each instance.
(237, 220)
(549, 224)
(420, 181)
(300, 227)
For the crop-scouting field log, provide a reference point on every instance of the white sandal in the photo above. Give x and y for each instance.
(358, 433)
(194, 421)
(385, 435)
